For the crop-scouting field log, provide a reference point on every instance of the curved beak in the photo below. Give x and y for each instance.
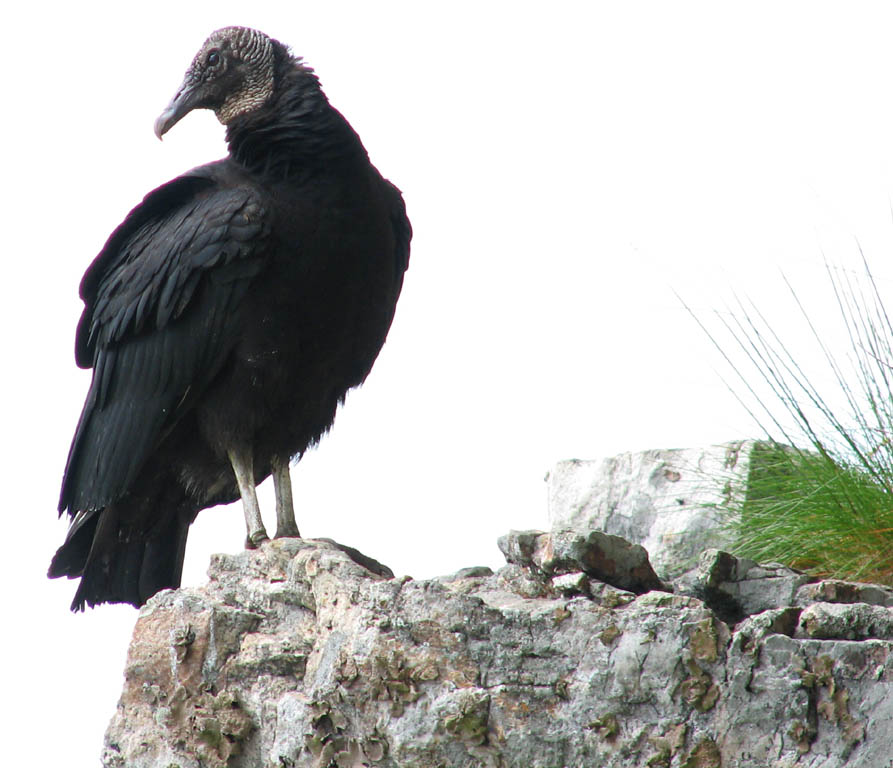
(181, 105)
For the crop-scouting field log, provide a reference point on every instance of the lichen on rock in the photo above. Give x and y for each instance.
(295, 655)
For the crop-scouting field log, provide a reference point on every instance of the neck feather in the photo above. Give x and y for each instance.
(296, 131)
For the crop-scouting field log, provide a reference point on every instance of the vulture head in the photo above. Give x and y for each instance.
(231, 74)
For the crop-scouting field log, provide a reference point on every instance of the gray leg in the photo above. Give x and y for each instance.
(243, 467)
(286, 526)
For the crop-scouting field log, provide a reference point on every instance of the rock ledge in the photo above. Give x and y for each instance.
(295, 655)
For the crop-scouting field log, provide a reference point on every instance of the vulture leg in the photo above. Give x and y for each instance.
(243, 467)
(286, 526)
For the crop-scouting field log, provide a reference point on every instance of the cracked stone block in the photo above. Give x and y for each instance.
(846, 621)
(601, 556)
(738, 587)
(664, 500)
(837, 591)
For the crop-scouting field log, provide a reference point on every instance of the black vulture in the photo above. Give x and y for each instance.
(225, 320)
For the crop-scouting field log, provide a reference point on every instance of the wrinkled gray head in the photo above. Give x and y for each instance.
(232, 74)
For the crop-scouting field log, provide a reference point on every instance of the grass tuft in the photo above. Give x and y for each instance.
(820, 494)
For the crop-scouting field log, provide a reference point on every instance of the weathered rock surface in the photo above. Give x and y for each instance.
(294, 655)
(664, 500)
(599, 555)
(737, 587)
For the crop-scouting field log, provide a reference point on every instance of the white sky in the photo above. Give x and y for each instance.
(566, 170)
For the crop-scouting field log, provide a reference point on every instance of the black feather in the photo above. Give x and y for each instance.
(236, 305)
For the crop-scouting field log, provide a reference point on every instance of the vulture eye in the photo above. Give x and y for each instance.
(213, 58)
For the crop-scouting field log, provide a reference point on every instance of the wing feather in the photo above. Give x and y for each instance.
(158, 301)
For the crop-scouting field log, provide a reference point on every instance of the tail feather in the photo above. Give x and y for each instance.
(124, 554)
(71, 557)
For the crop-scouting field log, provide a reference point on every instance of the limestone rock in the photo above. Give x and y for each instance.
(837, 591)
(737, 587)
(849, 621)
(664, 500)
(599, 555)
(295, 655)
